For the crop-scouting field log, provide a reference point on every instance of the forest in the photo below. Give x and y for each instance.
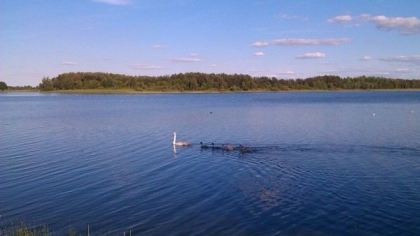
(217, 82)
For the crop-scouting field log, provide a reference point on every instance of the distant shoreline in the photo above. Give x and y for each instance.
(129, 91)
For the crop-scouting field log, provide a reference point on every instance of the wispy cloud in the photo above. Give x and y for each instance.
(192, 57)
(403, 70)
(292, 17)
(404, 25)
(114, 2)
(158, 46)
(287, 73)
(68, 63)
(260, 44)
(412, 59)
(302, 42)
(145, 67)
(259, 54)
(341, 19)
(186, 59)
(309, 42)
(312, 55)
(366, 58)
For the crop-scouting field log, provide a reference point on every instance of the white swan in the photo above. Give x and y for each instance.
(179, 143)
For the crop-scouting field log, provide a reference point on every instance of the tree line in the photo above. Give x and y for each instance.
(217, 82)
(4, 86)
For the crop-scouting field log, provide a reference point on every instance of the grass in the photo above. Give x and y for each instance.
(22, 229)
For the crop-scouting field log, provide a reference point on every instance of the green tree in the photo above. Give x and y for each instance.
(46, 84)
(3, 86)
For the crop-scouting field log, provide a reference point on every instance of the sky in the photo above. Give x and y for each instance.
(285, 39)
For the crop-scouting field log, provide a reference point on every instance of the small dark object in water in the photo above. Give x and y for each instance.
(244, 149)
(204, 146)
(210, 146)
(226, 147)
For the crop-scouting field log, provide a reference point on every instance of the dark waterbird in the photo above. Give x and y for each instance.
(226, 147)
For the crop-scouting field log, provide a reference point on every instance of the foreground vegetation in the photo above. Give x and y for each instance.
(22, 229)
(214, 82)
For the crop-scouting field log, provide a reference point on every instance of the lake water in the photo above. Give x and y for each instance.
(324, 163)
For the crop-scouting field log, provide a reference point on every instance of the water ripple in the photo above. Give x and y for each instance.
(313, 167)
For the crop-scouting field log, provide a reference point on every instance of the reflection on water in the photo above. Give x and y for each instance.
(320, 163)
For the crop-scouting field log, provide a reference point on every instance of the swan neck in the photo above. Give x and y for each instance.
(174, 139)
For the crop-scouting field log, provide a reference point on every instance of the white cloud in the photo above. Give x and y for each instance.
(145, 67)
(341, 19)
(193, 54)
(260, 44)
(186, 59)
(212, 65)
(114, 2)
(309, 42)
(288, 72)
(301, 42)
(68, 63)
(381, 73)
(413, 59)
(312, 55)
(405, 25)
(366, 58)
(158, 46)
(259, 54)
(403, 70)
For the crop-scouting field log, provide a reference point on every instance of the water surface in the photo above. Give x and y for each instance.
(324, 163)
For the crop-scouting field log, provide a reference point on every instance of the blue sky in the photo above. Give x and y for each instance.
(286, 39)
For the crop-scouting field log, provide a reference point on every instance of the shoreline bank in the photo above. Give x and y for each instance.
(128, 91)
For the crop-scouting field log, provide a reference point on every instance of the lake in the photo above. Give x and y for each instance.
(323, 163)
